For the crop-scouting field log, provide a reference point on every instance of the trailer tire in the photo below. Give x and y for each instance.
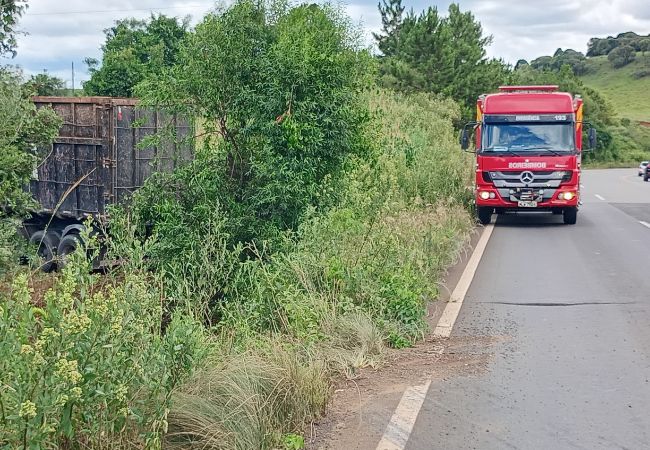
(47, 243)
(67, 246)
(570, 215)
(645, 177)
(484, 214)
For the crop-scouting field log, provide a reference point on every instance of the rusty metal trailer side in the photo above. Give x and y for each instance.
(95, 161)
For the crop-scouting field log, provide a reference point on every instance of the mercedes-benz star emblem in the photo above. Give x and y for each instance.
(527, 177)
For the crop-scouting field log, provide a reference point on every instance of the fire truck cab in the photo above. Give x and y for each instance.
(528, 145)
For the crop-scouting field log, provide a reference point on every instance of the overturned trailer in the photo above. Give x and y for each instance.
(94, 162)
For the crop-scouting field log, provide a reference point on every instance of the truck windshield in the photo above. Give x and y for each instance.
(528, 137)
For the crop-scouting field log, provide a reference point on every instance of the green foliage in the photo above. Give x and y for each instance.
(430, 53)
(603, 47)
(621, 56)
(276, 92)
(22, 129)
(86, 364)
(134, 49)
(391, 20)
(44, 84)
(293, 442)
(10, 12)
(398, 225)
(576, 60)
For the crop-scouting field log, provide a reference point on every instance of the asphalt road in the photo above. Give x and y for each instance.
(568, 310)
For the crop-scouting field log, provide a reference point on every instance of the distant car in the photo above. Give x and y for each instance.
(642, 168)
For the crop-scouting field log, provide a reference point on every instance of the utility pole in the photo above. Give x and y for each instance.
(73, 78)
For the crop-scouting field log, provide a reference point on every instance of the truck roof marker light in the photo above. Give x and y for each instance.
(547, 88)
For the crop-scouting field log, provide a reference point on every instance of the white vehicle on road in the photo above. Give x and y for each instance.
(642, 167)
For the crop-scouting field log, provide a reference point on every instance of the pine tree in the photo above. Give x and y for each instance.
(391, 18)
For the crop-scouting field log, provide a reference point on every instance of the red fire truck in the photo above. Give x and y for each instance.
(528, 151)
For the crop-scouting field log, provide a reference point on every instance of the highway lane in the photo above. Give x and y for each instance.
(568, 310)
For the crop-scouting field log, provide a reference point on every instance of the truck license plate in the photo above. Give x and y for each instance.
(524, 204)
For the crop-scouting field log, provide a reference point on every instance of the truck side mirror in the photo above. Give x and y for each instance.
(593, 138)
(465, 136)
(464, 139)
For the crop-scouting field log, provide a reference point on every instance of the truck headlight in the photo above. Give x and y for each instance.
(484, 195)
(566, 196)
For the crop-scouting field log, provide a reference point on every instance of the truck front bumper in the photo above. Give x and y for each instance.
(563, 197)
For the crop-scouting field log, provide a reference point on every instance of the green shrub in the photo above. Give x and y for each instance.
(87, 366)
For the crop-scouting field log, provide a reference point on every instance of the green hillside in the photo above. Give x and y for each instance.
(629, 95)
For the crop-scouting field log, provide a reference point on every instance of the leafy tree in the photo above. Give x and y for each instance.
(10, 11)
(275, 91)
(44, 84)
(22, 129)
(134, 49)
(440, 55)
(521, 63)
(576, 60)
(621, 56)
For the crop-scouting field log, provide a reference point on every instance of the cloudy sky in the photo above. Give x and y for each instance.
(61, 32)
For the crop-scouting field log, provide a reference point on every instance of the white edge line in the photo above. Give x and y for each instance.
(600, 197)
(401, 424)
(645, 224)
(450, 314)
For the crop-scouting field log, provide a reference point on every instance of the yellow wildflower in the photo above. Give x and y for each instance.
(27, 410)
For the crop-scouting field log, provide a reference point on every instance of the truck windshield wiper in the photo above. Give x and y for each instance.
(545, 148)
(501, 152)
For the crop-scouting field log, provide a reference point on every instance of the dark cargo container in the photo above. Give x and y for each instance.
(95, 162)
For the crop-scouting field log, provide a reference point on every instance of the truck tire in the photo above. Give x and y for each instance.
(570, 215)
(484, 214)
(46, 249)
(645, 177)
(67, 246)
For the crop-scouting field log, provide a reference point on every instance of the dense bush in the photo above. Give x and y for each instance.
(85, 363)
(22, 129)
(621, 56)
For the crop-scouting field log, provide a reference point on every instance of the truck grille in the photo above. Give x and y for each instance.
(527, 178)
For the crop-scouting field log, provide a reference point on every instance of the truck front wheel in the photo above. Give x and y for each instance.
(570, 215)
(484, 214)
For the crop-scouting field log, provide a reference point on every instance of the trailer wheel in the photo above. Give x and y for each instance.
(46, 249)
(570, 215)
(484, 214)
(645, 177)
(67, 246)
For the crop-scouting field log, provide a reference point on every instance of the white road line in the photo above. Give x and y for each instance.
(645, 224)
(449, 315)
(401, 424)
(600, 197)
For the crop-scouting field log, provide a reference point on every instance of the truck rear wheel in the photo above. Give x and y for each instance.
(484, 214)
(570, 215)
(46, 249)
(67, 246)
(645, 177)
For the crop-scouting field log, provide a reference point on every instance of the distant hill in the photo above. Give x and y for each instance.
(629, 95)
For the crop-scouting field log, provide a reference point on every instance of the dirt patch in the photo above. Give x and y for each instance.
(361, 407)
